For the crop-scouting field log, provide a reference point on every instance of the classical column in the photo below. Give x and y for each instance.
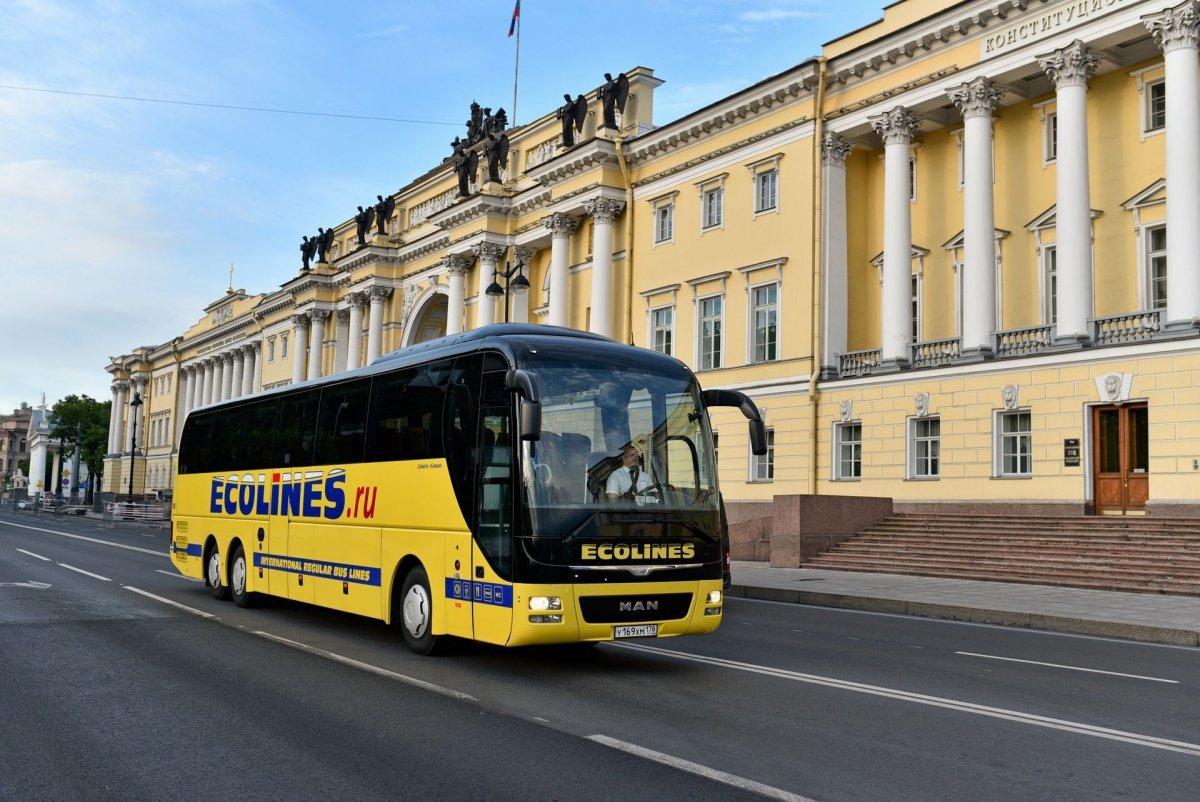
(340, 339)
(37, 466)
(896, 128)
(254, 381)
(316, 336)
(355, 327)
(247, 377)
(560, 227)
(834, 151)
(488, 253)
(115, 428)
(520, 301)
(55, 469)
(375, 323)
(207, 390)
(218, 391)
(456, 268)
(235, 375)
(603, 212)
(976, 102)
(299, 336)
(198, 384)
(185, 401)
(1177, 32)
(1070, 68)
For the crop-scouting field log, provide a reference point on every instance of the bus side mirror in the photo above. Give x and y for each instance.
(732, 398)
(529, 406)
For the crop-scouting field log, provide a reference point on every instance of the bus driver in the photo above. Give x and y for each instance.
(627, 480)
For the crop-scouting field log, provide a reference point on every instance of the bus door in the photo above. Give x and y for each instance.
(492, 552)
(461, 414)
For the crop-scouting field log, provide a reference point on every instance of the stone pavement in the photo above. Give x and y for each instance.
(1149, 617)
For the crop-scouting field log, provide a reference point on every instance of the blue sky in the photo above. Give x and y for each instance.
(120, 218)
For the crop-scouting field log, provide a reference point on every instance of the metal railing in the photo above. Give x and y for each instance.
(1023, 342)
(934, 352)
(133, 511)
(1131, 328)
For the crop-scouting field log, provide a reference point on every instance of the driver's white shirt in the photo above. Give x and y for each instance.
(619, 481)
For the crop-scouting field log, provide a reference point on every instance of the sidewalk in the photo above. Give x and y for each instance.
(1149, 617)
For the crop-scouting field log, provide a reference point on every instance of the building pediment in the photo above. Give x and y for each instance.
(1152, 195)
(585, 156)
(481, 206)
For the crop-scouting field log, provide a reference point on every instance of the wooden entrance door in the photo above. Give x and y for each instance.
(1121, 458)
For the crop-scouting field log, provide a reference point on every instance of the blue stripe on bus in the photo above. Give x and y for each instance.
(192, 550)
(358, 574)
(479, 592)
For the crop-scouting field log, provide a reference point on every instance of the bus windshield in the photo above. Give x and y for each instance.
(616, 437)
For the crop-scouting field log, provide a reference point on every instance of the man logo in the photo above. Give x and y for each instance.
(638, 606)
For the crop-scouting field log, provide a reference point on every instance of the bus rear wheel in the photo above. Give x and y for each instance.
(213, 575)
(237, 579)
(416, 613)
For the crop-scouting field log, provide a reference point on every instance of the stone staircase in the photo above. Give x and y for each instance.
(1146, 555)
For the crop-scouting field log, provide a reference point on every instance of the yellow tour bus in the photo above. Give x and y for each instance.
(515, 484)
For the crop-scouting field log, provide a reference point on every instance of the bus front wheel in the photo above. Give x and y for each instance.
(237, 579)
(212, 575)
(416, 613)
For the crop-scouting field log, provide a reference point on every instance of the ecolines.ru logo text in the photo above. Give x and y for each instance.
(300, 494)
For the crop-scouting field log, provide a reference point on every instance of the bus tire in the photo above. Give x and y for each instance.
(237, 579)
(214, 576)
(416, 613)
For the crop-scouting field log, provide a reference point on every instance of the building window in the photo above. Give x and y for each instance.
(924, 447)
(662, 324)
(847, 451)
(1050, 260)
(762, 467)
(1156, 105)
(1050, 138)
(1156, 257)
(664, 223)
(766, 191)
(912, 179)
(765, 314)
(1014, 444)
(283, 342)
(710, 333)
(270, 349)
(712, 203)
(916, 308)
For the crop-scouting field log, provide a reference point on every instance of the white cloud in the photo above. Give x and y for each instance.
(775, 15)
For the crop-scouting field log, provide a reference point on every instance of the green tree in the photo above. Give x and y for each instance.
(83, 420)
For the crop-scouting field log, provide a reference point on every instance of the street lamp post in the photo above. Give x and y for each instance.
(517, 286)
(134, 407)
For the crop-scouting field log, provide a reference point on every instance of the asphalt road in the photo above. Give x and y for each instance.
(122, 679)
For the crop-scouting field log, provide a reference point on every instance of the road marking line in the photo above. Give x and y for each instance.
(382, 672)
(85, 573)
(703, 771)
(156, 553)
(1071, 668)
(933, 701)
(184, 607)
(31, 554)
(177, 575)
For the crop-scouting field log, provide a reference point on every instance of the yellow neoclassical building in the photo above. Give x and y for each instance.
(936, 255)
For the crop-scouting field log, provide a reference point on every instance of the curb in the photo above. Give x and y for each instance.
(951, 612)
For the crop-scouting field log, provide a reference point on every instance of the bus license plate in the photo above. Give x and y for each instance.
(639, 631)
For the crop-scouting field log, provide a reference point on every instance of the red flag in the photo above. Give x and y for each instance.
(512, 26)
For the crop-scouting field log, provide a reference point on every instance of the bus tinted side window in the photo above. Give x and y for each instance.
(297, 429)
(193, 447)
(407, 417)
(258, 434)
(342, 424)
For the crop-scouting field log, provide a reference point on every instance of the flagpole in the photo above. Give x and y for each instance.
(516, 67)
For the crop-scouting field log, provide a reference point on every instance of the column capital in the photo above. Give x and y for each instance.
(457, 264)
(120, 385)
(604, 210)
(835, 150)
(379, 293)
(978, 98)
(1073, 65)
(356, 298)
(559, 224)
(343, 317)
(488, 251)
(318, 315)
(300, 320)
(1175, 28)
(524, 254)
(896, 126)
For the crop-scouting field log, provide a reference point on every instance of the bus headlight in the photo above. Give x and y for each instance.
(714, 597)
(545, 603)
